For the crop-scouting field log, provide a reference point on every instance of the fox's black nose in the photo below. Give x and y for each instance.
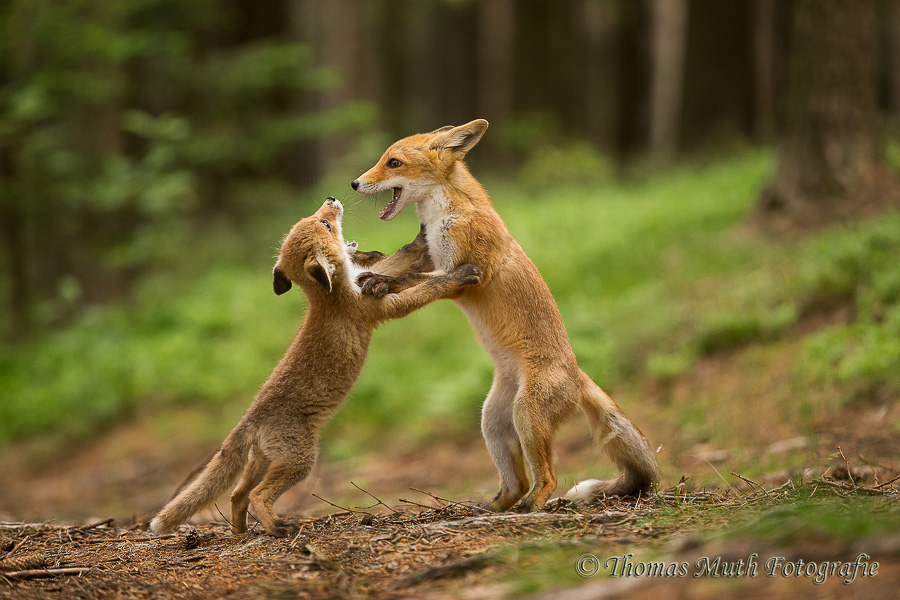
(354, 184)
(331, 199)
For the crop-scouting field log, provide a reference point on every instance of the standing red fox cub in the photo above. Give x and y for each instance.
(275, 444)
(537, 382)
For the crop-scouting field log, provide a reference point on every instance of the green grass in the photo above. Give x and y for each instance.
(808, 519)
(650, 276)
(812, 515)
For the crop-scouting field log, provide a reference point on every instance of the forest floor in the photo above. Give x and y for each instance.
(456, 551)
(760, 497)
(388, 538)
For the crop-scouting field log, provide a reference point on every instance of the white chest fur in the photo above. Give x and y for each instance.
(434, 213)
(352, 271)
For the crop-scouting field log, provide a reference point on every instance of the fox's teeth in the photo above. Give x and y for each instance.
(387, 209)
(387, 213)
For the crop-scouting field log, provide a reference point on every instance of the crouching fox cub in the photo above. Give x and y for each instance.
(275, 445)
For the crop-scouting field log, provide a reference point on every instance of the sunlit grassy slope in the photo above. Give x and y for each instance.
(649, 275)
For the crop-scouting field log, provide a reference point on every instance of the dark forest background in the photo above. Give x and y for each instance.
(125, 126)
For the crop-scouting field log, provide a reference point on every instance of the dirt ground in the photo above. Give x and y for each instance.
(403, 523)
(408, 543)
(409, 551)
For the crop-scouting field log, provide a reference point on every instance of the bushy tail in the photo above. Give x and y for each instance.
(214, 480)
(626, 446)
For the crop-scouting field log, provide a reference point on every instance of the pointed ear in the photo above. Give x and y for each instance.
(280, 282)
(460, 139)
(319, 269)
(443, 129)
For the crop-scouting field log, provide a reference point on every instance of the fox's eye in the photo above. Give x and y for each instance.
(394, 163)
(326, 224)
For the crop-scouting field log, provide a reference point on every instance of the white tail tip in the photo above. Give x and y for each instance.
(586, 490)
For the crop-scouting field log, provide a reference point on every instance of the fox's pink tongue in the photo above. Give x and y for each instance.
(387, 213)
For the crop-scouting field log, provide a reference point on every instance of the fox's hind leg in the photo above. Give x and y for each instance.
(277, 480)
(291, 462)
(499, 430)
(240, 497)
(542, 403)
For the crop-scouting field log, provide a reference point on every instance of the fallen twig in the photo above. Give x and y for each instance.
(20, 525)
(378, 500)
(84, 528)
(405, 501)
(538, 518)
(846, 462)
(35, 573)
(751, 482)
(143, 538)
(438, 498)
(223, 516)
(19, 545)
(343, 508)
(878, 487)
(451, 503)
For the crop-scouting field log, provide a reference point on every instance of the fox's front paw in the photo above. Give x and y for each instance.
(374, 284)
(468, 274)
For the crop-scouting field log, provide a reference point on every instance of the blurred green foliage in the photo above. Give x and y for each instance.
(860, 267)
(650, 276)
(124, 125)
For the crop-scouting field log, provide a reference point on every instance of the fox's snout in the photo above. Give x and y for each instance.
(354, 184)
(335, 203)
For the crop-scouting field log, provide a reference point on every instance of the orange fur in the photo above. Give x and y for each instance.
(275, 444)
(537, 382)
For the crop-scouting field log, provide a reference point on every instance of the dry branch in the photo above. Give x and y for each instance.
(343, 508)
(377, 500)
(451, 503)
(847, 462)
(36, 573)
(532, 518)
(19, 545)
(85, 528)
(426, 506)
(750, 482)
(878, 487)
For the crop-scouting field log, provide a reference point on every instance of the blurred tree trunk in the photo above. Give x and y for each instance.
(336, 47)
(893, 58)
(21, 51)
(12, 229)
(830, 163)
(302, 26)
(668, 41)
(497, 44)
(422, 30)
(599, 25)
(764, 69)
